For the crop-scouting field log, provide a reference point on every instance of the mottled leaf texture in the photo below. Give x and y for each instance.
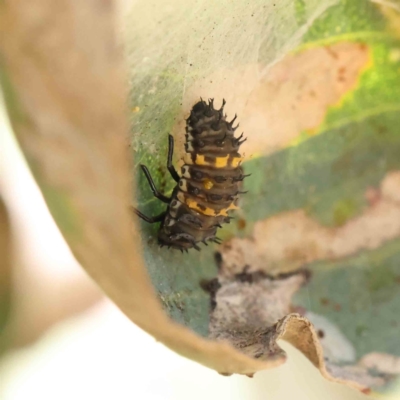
(313, 255)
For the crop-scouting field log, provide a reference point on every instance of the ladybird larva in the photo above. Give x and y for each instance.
(209, 185)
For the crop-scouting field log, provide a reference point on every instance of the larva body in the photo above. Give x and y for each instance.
(210, 183)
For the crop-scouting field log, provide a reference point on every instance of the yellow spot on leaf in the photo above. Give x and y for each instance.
(393, 17)
(311, 131)
(394, 55)
(136, 109)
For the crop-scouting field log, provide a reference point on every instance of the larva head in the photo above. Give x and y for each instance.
(202, 115)
(208, 132)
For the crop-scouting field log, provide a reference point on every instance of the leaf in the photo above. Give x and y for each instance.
(63, 78)
(315, 85)
(316, 88)
(41, 297)
(5, 274)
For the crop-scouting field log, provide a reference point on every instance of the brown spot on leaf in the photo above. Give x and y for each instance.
(243, 314)
(331, 52)
(293, 96)
(318, 78)
(372, 195)
(290, 240)
(250, 278)
(241, 223)
(324, 301)
(253, 314)
(211, 286)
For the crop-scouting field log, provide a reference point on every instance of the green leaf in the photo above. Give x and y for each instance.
(316, 240)
(324, 153)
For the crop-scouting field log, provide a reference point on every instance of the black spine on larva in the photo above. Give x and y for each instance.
(210, 183)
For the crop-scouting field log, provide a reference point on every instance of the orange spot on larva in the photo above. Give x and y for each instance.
(208, 184)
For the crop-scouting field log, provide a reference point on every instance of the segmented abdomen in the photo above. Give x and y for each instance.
(210, 182)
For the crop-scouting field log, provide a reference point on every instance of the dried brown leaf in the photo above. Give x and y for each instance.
(65, 89)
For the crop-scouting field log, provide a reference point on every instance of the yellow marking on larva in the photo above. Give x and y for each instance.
(205, 211)
(209, 211)
(232, 206)
(236, 161)
(191, 203)
(194, 206)
(201, 160)
(188, 159)
(224, 211)
(208, 184)
(221, 162)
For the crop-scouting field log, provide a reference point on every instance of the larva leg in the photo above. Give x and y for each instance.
(156, 193)
(170, 167)
(150, 220)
